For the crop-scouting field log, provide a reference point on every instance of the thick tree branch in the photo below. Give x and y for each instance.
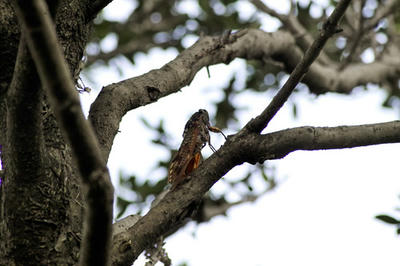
(115, 100)
(249, 147)
(328, 29)
(23, 152)
(24, 107)
(10, 34)
(278, 144)
(54, 74)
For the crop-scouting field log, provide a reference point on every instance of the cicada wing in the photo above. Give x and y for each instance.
(177, 172)
(193, 164)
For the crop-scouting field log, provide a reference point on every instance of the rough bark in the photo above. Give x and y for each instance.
(41, 204)
(10, 32)
(54, 74)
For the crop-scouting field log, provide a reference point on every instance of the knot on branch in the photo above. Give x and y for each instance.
(153, 93)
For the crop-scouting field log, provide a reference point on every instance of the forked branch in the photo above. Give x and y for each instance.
(180, 203)
(329, 28)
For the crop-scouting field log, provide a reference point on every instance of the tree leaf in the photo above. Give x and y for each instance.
(387, 219)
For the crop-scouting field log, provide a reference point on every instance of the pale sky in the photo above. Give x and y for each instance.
(323, 211)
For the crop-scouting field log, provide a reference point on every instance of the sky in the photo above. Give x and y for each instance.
(321, 213)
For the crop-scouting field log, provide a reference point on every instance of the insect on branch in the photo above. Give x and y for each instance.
(195, 137)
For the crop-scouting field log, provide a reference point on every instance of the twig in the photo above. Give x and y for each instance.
(357, 38)
(381, 12)
(157, 253)
(290, 21)
(329, 28)
(364, 26)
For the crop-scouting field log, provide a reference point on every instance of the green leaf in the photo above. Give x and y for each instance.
(387, 219)
(294, 110)
(122, 205)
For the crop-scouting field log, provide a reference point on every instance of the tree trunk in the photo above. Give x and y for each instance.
(39, 173)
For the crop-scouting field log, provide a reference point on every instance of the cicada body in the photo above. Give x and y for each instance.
(195, 137)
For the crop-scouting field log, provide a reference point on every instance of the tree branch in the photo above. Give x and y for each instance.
(293, 25)
(54, 74)
(328, 29)
(362, 31)
(389, 7)
(357, 36)
(143, 44)
(248, 147)
(141, 28)
(24, 105)
(23, 154)
(279, 144)
(94, 7)
(115, 100)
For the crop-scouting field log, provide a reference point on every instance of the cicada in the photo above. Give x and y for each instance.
(195, 137)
